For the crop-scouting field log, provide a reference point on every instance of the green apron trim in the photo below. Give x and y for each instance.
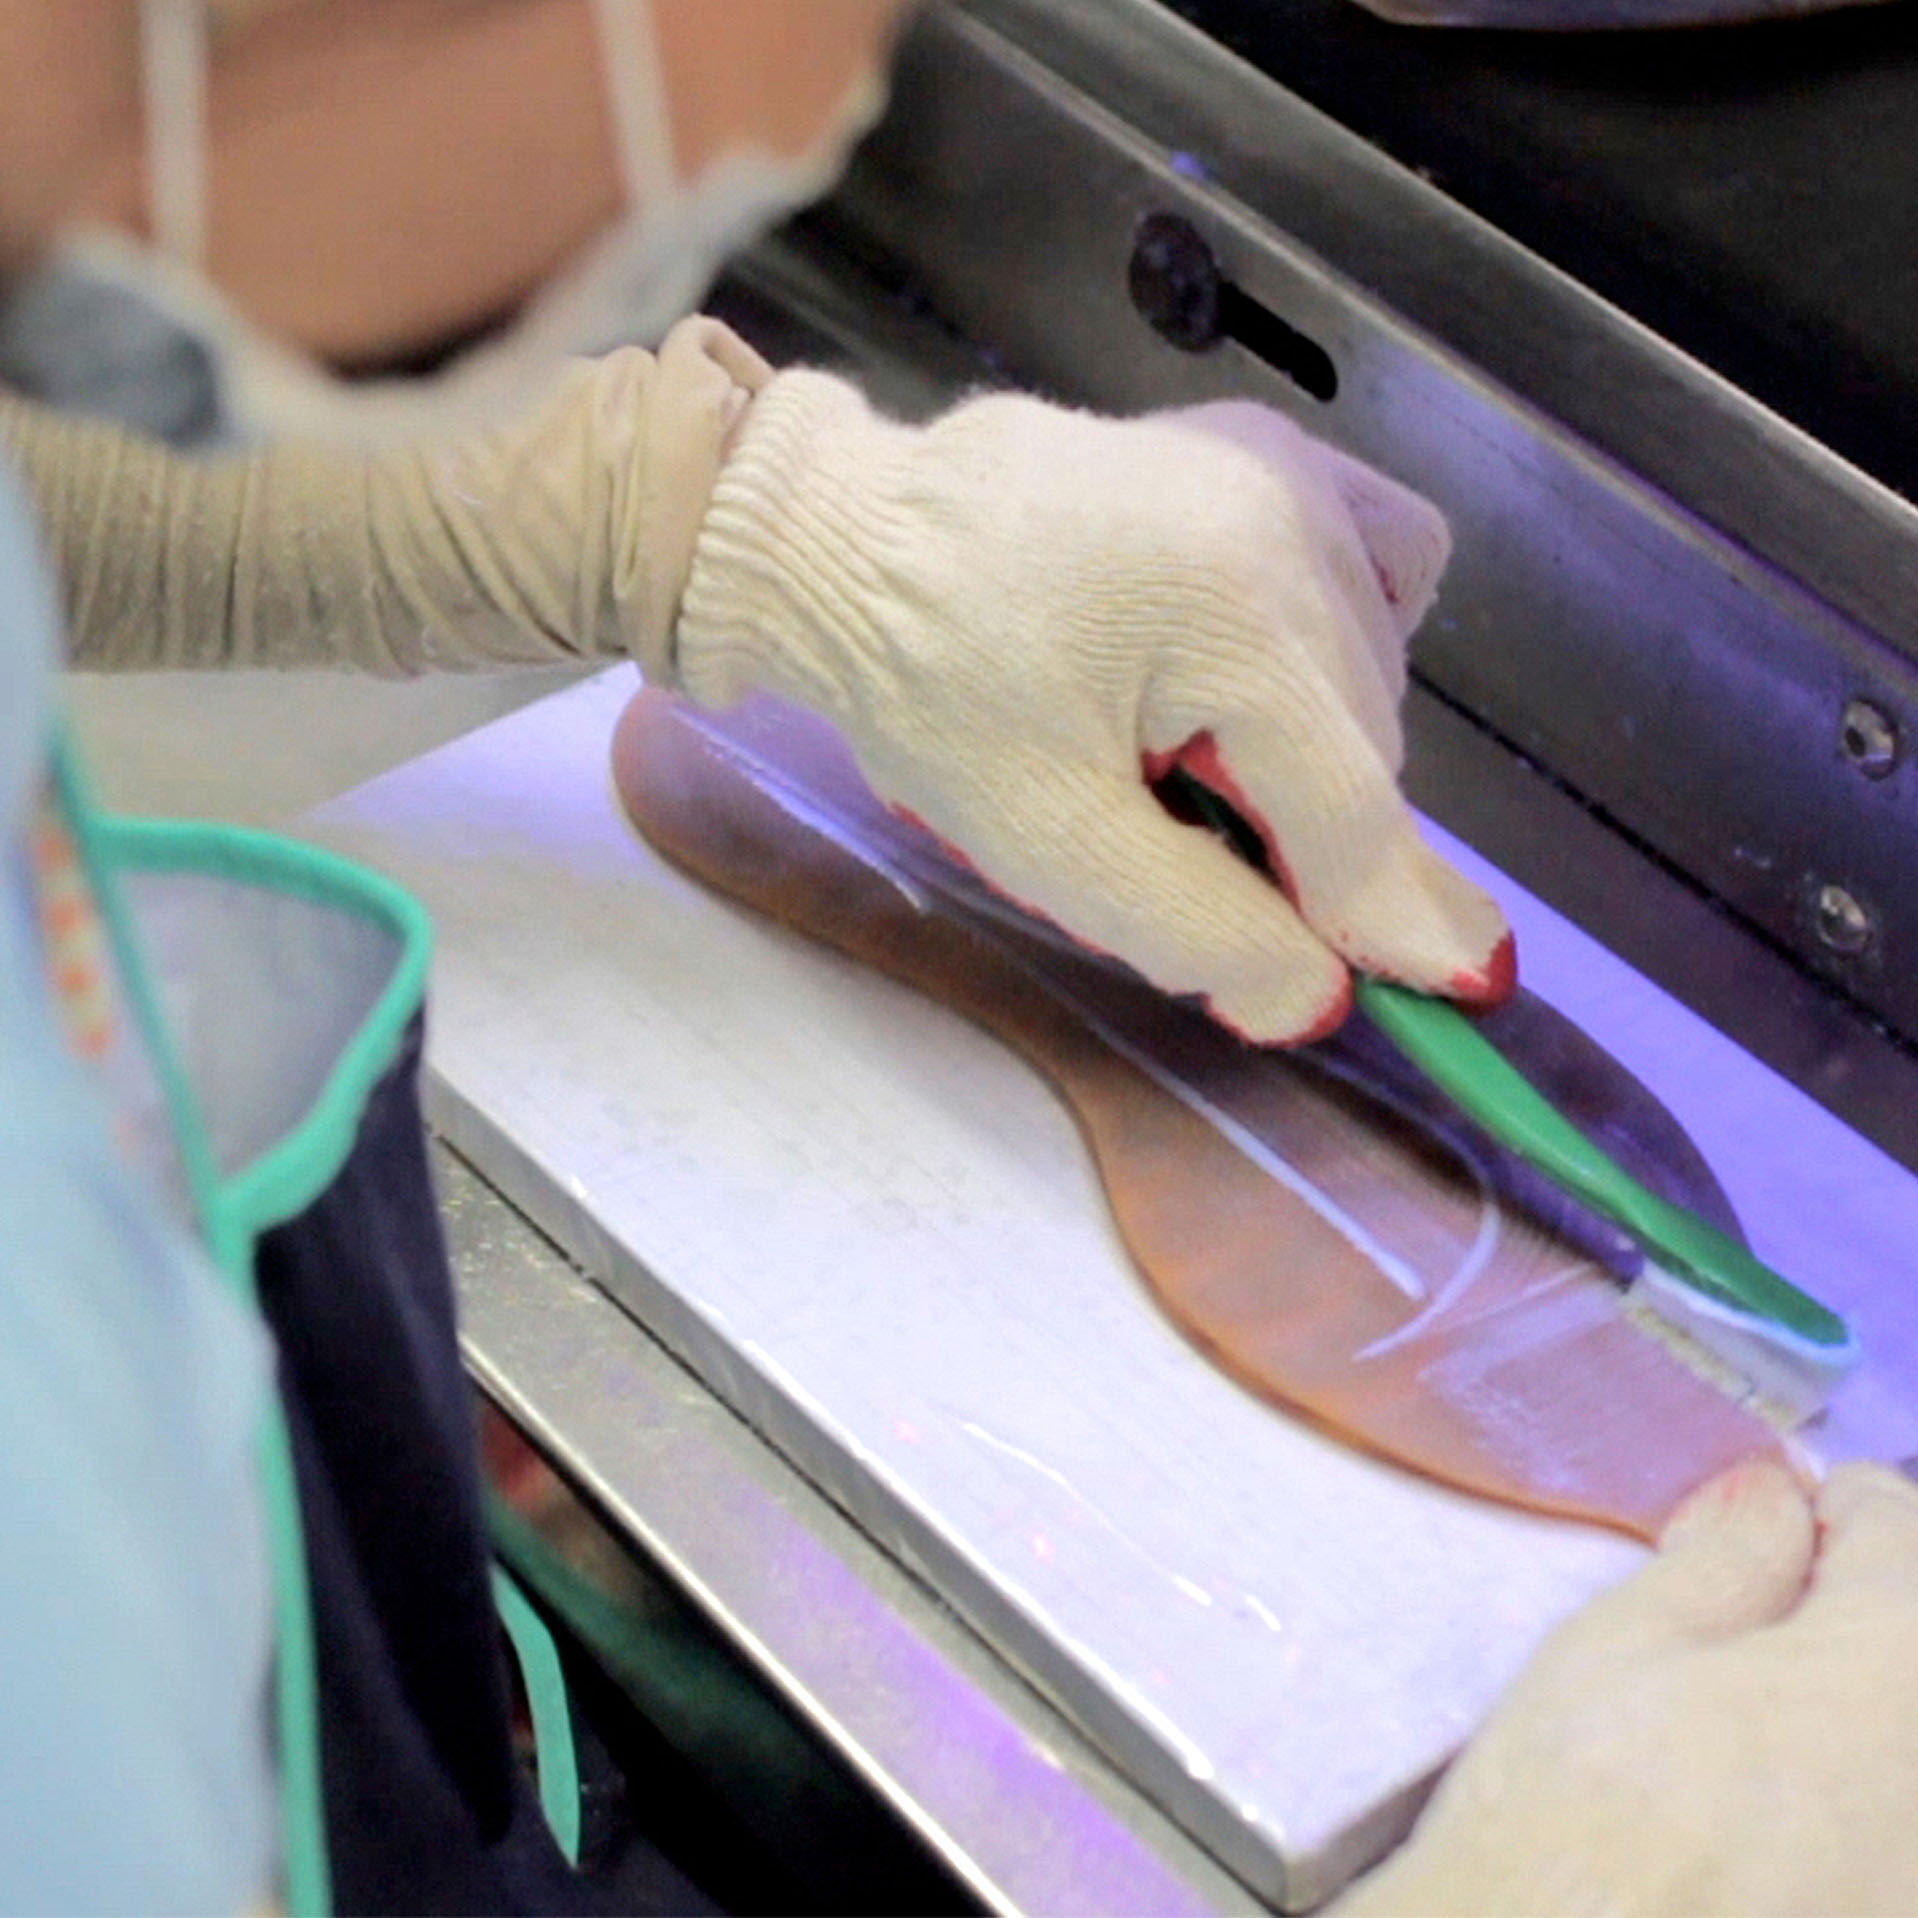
(190, 1135)
(286, 1178)
(296, 1674)
(280, 1184)
(556, 1758)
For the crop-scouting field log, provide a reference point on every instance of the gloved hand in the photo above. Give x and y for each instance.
(1733, 1730)
(1016, 612)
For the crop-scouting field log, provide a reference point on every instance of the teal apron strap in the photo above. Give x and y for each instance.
(302, 1789)
(555, 1756)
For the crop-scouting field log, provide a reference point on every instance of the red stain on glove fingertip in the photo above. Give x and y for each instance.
(1329, 1021)
(1490, 987)
(1201, 758)
(964, 861)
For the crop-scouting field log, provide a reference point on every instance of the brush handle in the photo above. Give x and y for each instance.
(1465, 1065)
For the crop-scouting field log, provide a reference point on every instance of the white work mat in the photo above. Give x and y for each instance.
(878, 1235)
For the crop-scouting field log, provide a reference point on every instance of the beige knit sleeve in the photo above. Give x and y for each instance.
(567, 535)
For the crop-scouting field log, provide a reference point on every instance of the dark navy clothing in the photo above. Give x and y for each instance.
(427, 1808)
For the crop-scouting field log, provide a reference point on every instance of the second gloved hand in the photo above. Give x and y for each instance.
(1731, 1733)
(1018, 612)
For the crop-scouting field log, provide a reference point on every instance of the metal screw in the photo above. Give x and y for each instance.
(1844, 923)
(1868, 737)
(1175, 281)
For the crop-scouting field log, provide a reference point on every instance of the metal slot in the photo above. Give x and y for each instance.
(1182, 293)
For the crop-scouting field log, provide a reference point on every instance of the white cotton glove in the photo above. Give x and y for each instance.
(1734, 1730)
(1013, 612)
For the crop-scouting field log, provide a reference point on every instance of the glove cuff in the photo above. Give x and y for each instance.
(705, 381)
(789, 564)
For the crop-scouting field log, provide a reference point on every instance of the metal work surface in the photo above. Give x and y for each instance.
(877, 1237)
(1683, 607)
(1002, 1788)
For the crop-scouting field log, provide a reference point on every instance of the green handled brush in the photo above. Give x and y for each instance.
(1788, 1348)
(1792, 1349)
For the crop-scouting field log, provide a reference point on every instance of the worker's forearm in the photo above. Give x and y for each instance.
(565, 536)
